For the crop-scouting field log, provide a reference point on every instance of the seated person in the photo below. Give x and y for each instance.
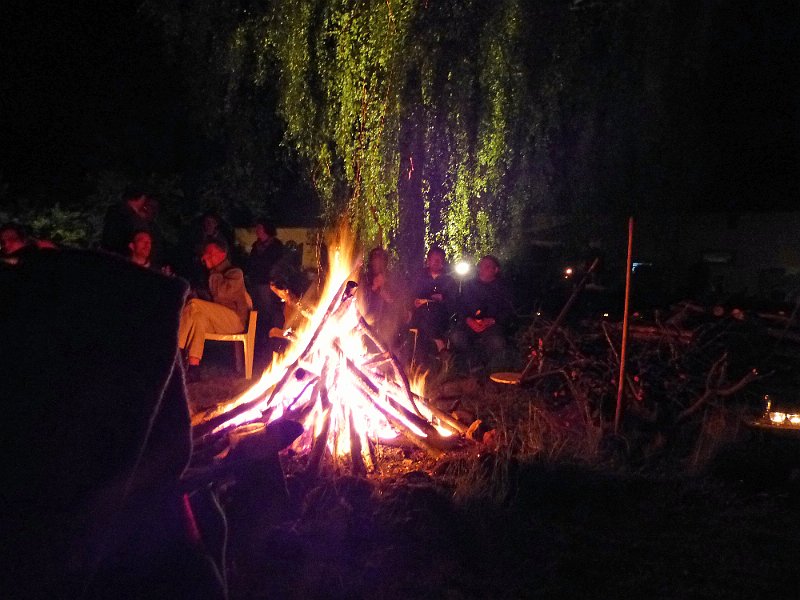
(15, 242)
(485, 312)
(227, 309)
(95, 508)
(378, 298)
(434, 297)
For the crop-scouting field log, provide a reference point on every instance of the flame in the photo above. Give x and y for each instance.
(331, 381)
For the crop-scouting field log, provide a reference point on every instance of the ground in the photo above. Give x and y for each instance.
(485, 522)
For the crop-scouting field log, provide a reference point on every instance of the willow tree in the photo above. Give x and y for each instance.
(453, 121)
(401, 111)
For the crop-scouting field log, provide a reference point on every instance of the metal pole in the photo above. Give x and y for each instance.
(624, 350)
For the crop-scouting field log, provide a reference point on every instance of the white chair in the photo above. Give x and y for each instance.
(248, 339)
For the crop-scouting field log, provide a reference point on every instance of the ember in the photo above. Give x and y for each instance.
(343, 385)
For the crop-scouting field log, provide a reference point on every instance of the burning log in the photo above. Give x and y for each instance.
(359, 397)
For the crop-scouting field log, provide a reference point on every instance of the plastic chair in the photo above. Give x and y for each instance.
(248, 339)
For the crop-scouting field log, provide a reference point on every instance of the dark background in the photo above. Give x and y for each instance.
(87, 86)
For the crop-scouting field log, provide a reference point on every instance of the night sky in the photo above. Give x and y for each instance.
(86, 87)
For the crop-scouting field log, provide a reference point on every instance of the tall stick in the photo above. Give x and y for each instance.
(624, 350)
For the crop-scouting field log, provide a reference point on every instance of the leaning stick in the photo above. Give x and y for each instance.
(624, 349)
(452, 423)
(357, 461)
(403, 429)
(210, 425)
(321, 441)
(367, 330)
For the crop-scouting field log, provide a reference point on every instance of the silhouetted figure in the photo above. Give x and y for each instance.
(122, 220)
(266, 252)
(96, 426)
(209, 226)
(380, 299)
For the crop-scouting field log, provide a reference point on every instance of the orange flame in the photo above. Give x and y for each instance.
(322, 375)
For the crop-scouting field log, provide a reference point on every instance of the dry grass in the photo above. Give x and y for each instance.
(549, 508)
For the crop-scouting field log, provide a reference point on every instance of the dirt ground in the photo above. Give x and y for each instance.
(483, 523)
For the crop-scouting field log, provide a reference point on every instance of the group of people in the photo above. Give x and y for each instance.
(430, 318)
(436, 316)
(221, 296)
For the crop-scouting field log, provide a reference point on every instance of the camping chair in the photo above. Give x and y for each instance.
(248, 339)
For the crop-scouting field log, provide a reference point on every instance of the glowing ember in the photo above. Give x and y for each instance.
(340, 382)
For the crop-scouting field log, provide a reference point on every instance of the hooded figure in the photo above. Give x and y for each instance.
(96, 431)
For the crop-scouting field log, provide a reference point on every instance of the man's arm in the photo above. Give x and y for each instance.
(227, 285)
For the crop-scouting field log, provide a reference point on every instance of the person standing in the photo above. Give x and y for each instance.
(265, 253)
(122, 220)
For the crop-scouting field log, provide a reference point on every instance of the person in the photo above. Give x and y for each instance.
(208, 226)
(434, 295)
(140, 248)
(226, 309)
(158, 253)
(16, 244)
(265, 254)
(485, 311)
(122, 220)
(378, 298)
(13, 238)
(95, 508)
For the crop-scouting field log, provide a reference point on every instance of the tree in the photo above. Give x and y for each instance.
(456, 121)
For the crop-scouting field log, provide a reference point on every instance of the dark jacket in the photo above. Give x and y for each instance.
(120, 223)
(486, 300)
(263, 257)
(226, 285)
(96, 424)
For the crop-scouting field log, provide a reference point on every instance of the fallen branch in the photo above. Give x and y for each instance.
(713, 389)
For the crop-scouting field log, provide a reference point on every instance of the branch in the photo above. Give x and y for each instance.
(715, 391)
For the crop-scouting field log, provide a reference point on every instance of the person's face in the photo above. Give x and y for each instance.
(139, 205)
(261, 233)
(213, 255)
(10, 242)
(141, 245)
(487, 270)
(210, 225)
(435, 262)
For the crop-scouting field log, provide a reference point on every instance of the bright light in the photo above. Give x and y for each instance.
(335, 384)
(568, 272)
(462, 268)
(794, 419)
(777, 417)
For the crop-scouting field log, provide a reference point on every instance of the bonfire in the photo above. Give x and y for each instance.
(342, 384)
